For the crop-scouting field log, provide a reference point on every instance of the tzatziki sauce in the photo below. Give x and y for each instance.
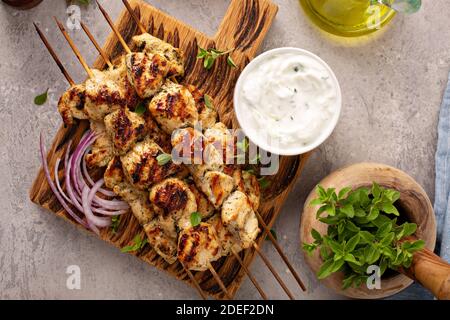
(288, 99)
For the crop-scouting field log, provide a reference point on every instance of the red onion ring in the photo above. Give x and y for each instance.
(79, 193)
(52, 186)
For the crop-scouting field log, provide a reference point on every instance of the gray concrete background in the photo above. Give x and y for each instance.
(392, 86)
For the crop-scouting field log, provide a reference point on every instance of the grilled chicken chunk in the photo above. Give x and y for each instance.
(161, 235)
(198, 246)
(103, 95)
(149, 44)
(146, 72)
(173, 197)
(204, 207)
(173, 107)
(102, 149)
(71, 104)
(141, 166)
(137, 199)
(209, 175)
(226, 238)
(124, 128)
(248, 184)
(216, 185)
(207, 115)
(238, 216)
(223, 140)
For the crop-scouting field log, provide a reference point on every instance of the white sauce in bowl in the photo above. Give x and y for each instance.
(287, 101)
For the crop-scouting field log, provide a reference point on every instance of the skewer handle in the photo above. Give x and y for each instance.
(432, 272)
(219, 281)
(133, 15)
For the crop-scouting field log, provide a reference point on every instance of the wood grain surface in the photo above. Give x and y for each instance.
(244, 28)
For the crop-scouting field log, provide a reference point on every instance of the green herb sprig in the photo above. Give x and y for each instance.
(210, 56)
(163, 159)
(138, 244)
(115, 221)
(41, 99)
(196, 219)
(362, 231)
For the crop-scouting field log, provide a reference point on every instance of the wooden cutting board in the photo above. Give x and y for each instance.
(244, 27)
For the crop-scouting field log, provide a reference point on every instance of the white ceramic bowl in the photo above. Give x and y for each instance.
(239, 107)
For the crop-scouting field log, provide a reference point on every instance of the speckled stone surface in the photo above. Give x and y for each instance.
(392, 85)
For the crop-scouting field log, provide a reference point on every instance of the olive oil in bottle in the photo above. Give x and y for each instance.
(347, 17)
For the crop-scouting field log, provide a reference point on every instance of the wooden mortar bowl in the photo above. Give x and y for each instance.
(414, 204)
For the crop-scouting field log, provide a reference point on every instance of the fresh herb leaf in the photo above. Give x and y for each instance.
(163, 159)
(208, 102)
(85, 2)
(243, 145)
(137, 245)
(210, 56)
(360, 233)
(196, 219)
(115, 221)
(140, 108)
(230, 62)
(263, 183)
(41, 99)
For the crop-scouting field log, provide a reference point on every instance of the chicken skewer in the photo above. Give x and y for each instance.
(72, 83)
(145, 71)
(74, 49)
(142, 29)
(121, 40)
(267, 231)
(238, 210)
(96, 45)
(151, 44)
(54, 56)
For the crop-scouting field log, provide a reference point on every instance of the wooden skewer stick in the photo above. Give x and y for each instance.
(218, 280)
(250, 275)
(274, 272)
(280, 252)
(74, 48)
(136, 19)
(54, 56)
(114, 28)
(195, 282)
(96, 45)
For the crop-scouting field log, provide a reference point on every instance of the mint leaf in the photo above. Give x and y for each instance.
(387, 240)
(351, 258)
(196, 219)
(316, 235)
(384, 230)
(390, 208)
(208, 101)
(140, 108)
(348, 210)
(41, 99)
(163, 159)
(366, 236)
(326, 269)
(343, 192)
(409, 229)
(230, 62)
(352, 243)
(315, 202)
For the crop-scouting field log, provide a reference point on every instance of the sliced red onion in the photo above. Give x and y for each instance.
(97, 221)
(58, 185)
(52, 186)
(82, 195)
